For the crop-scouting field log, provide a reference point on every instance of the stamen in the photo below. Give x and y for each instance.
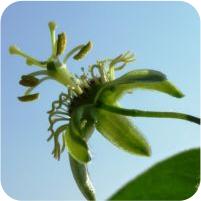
(84, 51)
(30, 60)
(29, 90)
(69, 54)
(61, 43)
(28, 98)
(29, 81)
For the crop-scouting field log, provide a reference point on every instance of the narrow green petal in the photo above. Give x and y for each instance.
(120, 131)
(77, 147)
(137, 79)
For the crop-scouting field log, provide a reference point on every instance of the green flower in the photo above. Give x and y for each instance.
(91, 102)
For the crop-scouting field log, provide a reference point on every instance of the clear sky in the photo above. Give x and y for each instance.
(163, 35)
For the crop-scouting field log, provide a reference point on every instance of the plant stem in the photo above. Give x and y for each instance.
(152, 114)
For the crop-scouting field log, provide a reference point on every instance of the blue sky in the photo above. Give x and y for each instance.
(163, 35)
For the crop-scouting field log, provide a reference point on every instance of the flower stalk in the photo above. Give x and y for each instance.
(151, 114)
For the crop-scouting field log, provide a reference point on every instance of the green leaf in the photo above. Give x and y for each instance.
(120, 131)
(77, 147)
(143, 79)
(176, 178)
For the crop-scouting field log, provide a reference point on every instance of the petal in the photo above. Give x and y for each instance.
(120, 131)
(144, 79)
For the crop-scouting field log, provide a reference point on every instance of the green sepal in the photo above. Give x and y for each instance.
(81, 176)
(121, 132)
(77, 147)
(143, 79)
(80, 172)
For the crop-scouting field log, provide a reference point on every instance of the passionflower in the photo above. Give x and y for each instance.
(91, 102)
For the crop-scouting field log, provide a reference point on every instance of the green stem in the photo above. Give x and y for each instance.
(153, 114)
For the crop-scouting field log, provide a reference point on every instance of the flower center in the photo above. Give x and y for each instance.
(87, 97)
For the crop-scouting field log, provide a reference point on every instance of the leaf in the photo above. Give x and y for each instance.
(77, 147)
(176, 178)
(120, 131)
(143, 79)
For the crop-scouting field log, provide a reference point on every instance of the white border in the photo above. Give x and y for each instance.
(6, 3)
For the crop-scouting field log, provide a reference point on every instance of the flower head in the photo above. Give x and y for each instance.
(91, 101)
